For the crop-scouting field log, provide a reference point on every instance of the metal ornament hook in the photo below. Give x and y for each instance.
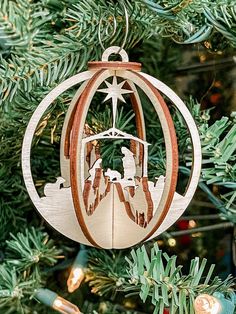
(114, 30)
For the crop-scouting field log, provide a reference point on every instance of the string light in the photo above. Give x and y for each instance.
(214, 304)
(54, 301)
(207, 304)
(65, 307)
(192, 224)
(172, 242)
(77, 272)
(75, 279)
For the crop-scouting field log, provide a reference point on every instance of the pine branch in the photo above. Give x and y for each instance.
(46, 42)
(31, 250)
(189, 22)
(223, 225)
(28, 255)
(219, 155)
(15, 291)
(46, 70)
(107, 308)
(155, 278)
(15, 20)
(43, 43)
(106, 272)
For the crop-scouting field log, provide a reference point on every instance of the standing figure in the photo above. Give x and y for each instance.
(128, 164)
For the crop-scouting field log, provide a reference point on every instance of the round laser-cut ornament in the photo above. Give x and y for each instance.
(105, 207)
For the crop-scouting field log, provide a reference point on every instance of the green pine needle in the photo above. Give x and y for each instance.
(31, 251)
(155, 277)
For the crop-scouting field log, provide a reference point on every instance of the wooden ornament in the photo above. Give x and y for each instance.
(105, 207)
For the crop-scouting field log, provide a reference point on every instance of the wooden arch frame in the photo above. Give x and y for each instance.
(76, 150)
(67, 126)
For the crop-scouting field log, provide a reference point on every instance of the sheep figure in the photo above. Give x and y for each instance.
(113, 175)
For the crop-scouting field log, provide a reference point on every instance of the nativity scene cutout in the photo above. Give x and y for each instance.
(129, 192)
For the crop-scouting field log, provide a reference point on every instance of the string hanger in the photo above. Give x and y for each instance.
(114, 29)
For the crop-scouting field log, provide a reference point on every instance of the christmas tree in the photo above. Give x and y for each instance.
(187, 44)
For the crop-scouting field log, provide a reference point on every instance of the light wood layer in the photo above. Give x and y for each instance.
(76, 153)
(111, 223)
(59, 214)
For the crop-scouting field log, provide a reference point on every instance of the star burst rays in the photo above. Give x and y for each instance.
(115, 92)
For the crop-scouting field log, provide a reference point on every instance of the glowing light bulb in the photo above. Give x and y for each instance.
(172, 242)
(65, 307)
(75, 279)
(77, 272)
(51, 299)
(192, 224)
(207, 304)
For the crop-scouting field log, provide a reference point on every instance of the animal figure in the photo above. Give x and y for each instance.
(51, 188)
(113, 175)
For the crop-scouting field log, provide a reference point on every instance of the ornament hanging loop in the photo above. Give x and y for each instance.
(115, 65)
(107, 31)
(117, 50)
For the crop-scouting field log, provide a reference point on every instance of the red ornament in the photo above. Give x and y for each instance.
(185, 239)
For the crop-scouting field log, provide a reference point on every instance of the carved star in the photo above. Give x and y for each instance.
(114, 91)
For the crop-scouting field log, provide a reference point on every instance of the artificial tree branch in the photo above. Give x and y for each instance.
(224, 225)
(154, 277)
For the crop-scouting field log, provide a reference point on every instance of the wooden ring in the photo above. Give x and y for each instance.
(65, 221)
(179, 206)
(56, 219)
(115, 50)
(67, 127)
(171, 147)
